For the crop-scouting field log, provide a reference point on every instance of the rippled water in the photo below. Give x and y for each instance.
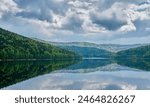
(87, 74)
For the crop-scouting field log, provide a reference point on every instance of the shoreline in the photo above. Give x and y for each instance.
(84, 58)
(24, 59)
(94, 58)
(34, 59)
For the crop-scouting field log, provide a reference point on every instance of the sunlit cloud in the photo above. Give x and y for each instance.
(99, 21)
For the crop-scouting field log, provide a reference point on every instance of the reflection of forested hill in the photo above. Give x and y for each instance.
(89, 63)
(111, 65)
(13, 72)
(14, 46)
(141, 64)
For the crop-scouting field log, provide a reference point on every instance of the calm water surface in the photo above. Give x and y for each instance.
(88, 74)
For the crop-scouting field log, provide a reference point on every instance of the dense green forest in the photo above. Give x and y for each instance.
(135, 53)
(14, 46)
(89, 51)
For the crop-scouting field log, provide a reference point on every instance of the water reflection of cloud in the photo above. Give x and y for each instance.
(90, 81)
(109, 86)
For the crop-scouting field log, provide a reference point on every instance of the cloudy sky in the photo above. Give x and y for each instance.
(97, 21)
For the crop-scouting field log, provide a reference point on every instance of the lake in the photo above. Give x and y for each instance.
(86, 74)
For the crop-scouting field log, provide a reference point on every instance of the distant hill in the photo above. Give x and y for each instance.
(14, 46)
(89, 52)
(108, 47)
(86, 49)
(142, 52)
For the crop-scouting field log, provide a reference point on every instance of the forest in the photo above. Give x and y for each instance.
(15, 46)
(142, 52)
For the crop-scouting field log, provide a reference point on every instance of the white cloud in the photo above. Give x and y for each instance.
(103, 19)
(89, 27)
(78, 3)
(133, 13)
(129, 27)
(140, 12)
(84, 16)
(147, 29)
(8, 6)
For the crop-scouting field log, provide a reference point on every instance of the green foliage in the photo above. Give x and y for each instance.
(135, 53)
(14, 46)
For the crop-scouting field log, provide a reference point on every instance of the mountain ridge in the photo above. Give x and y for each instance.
(108, 47)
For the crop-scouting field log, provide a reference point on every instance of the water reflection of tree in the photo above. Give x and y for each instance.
(14, 72)
(142, 64)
